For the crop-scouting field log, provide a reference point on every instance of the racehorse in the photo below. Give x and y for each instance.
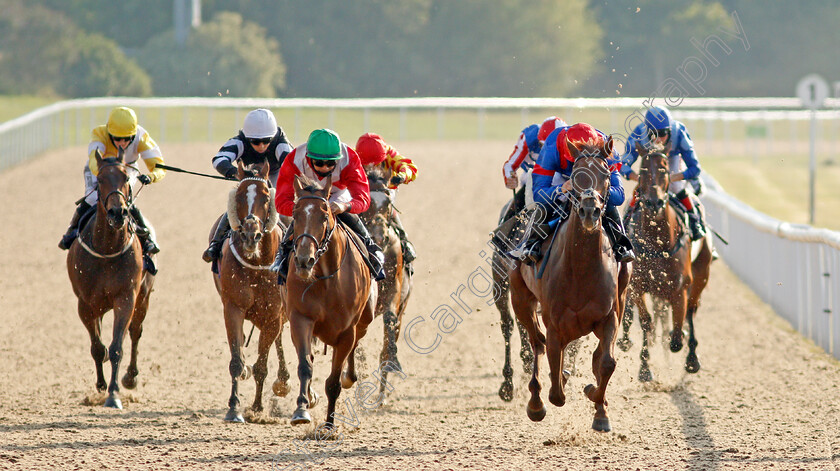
(105, 264)
(666, 268)
(247, 288)
(582, 288)
(500, 277)
(395, 289)
(330, 293)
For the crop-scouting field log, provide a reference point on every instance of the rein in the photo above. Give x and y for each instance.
(323, 244)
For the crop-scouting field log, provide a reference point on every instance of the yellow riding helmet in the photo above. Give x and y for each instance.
(122, 122)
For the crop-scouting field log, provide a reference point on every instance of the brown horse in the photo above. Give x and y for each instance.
(249, 291)
(331, 295)
(395, 289)
(582, 289)
(105, 264)
(665, 268)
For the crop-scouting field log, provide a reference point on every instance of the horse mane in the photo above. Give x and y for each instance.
(309, 184)
(252, 170)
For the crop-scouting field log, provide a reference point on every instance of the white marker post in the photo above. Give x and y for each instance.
(812, 90)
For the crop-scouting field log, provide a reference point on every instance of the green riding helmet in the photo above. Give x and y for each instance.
(323, 144)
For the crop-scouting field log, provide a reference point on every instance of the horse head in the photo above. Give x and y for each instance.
(251, 211)
(113, 188)
(654, 178)
(314, 223)
(590, 181)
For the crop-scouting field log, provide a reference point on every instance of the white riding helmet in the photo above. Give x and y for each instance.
(259, 123)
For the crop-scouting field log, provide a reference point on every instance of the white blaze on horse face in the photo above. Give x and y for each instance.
(378, 198)
(252, 196)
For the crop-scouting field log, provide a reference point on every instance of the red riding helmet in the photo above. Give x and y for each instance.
(371, 148)
(550, 124)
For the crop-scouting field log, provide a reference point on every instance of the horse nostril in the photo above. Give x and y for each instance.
(310, 262)
(596, 213)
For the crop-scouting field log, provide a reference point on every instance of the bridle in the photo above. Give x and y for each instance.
(129, 200)
(323, 244)
(654, 204)
(577, 197)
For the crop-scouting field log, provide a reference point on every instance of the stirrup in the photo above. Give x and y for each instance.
(212, 252)
(623, 254)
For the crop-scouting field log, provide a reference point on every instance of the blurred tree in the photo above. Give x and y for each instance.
(225, 56)
(43, 52)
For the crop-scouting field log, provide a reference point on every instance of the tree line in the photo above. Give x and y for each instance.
(372, 48)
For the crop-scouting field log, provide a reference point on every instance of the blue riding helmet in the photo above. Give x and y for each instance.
(658, 117)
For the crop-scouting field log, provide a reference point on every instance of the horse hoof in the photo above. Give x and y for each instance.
(234, 417)
(558, 400)
(506, 391)
(301, 416)
(113, 402)
(625, 344)
(676, 345)
(247, 371)
(536, 415)
(601, 424)
(129, 382)
(588, 390)
(346, 381)
(280, 388)
(692, 364)
(645, 376)
(566, 375)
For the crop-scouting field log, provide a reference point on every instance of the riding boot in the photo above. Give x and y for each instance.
(144, 231)
(376, 259)
(408, 252)
(621, 245)
(215, 249)
(73, 231)
(281, 260)
(695, 224)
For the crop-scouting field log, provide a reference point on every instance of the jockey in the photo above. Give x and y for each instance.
(524, 156)
(660, 128)
(374, 151)
(259, 140)
(121, 132)
(323, 155)
(551, 180)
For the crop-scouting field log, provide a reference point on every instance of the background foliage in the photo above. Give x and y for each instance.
(367, 48)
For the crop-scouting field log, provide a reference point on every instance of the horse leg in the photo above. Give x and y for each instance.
(624, 343)
(555, 349)
(123, 311)
(93, 324)
(135, 331)
(268, 333)
(301, 328)
(525, 352)
(506, 390)
(678, 309)
(281, 384)
(603, 366)
(234, 318)
(342, 349)
(524, 305)
(349, 378)
(700, 277)
(646, 323)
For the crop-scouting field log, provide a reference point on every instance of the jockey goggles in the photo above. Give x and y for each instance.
(123, 138)
(259, 140)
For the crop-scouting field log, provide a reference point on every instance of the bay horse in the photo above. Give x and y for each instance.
(501, 263)
(105, 265)
(330, 294)
(246, 286)
(582, 288)
(395, 290)
(669, 266)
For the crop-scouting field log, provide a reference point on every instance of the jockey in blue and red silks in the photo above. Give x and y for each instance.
(523, 157)
(660, 128)
(551, 180)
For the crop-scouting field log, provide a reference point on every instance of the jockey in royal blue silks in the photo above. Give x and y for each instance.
(660, 128)
(550, 176)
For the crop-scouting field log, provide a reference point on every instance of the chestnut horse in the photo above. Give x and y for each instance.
(665, 268)
(395, 289)
(582, 288)
(105, 264)
(330, 294)
(249, 291)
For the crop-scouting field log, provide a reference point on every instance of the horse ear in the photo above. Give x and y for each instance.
(120, 154)
(608, 147)
(667, 150)
(642, 150)
(264, 171)
(327, 187)
(240, 169)
(298, 184)
(98, 156)
(573, 151)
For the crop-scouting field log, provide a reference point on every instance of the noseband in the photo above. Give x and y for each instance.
(588, 193)
(324, 242)
(656, 204)
(129, 200)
